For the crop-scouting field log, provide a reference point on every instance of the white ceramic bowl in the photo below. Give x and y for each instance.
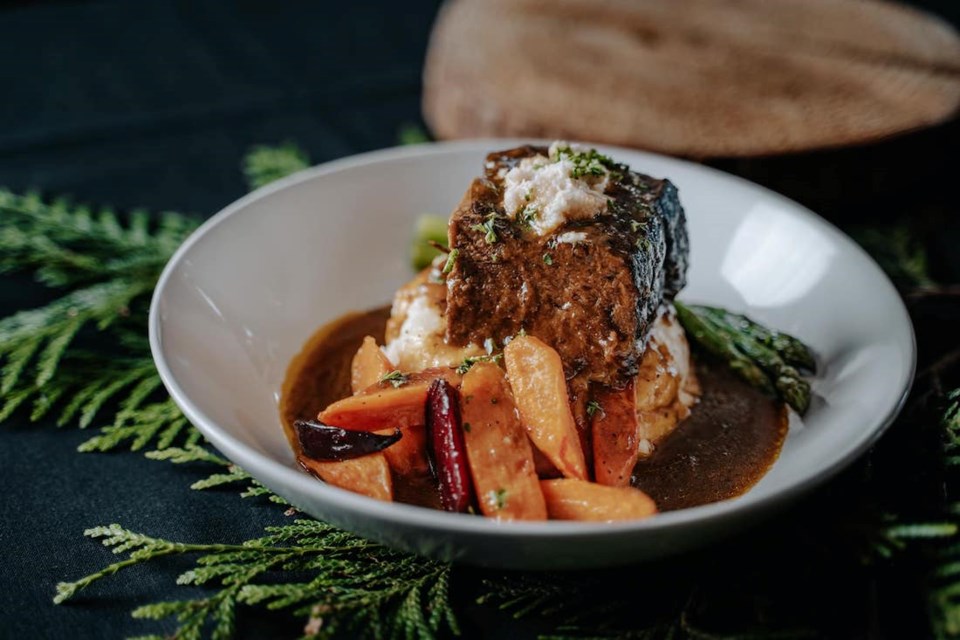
(245, 291)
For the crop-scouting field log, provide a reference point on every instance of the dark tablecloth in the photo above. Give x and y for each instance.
(152, 104)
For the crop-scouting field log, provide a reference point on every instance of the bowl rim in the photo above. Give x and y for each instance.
(274, 473)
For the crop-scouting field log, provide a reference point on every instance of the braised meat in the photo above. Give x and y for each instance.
(570, 247)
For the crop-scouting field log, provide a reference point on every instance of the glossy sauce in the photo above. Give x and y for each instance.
(723, 448)
(726, 445)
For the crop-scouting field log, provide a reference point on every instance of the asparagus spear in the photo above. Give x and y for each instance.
(720, 344)
(792, 350)
(764, 358)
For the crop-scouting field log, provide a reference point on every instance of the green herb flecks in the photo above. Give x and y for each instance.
(487, 228)
(527, 215)
(593, 407)
(585, 163)
(394, 378)
(451, 260)
(469, 361)
(547, 259)
(497, 498)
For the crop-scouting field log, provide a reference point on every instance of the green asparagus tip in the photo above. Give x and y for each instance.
(764, 358)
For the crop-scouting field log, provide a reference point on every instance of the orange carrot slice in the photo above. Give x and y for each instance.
(385, 406)
(616, 436)
(409, 455)
(368, 475)
(569, 499)
(501, 459)
(369, 365)
(540, 390)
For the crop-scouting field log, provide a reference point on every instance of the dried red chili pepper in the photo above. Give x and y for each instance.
(448, 453)
(322, 442)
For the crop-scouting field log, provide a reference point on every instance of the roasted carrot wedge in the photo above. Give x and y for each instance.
(500, 455)
(409, 455)
(616, 436)
(396, 403)
(369, 365)
(569, 499)
(369, 475)
(540, 390)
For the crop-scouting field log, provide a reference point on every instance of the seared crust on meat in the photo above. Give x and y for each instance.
(593, 299)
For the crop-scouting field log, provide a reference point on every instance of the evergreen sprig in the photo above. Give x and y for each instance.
(346, 584)
(107, 266)
(943, 590)
(265, 164)
(231, 474)
(68, 244)
(898, 251)
(54, 356)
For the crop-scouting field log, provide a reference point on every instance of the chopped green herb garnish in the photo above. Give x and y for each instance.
(527, 215)
(547, 259)
(466, 427)
(451, 259)
(469, 361)
(498, 498)
(590, 162)
(490, 235)
(593, 407)
(394, 377)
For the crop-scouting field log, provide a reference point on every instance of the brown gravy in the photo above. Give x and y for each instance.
(726, 445)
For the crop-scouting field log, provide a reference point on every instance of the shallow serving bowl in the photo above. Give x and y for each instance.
(245, 291)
